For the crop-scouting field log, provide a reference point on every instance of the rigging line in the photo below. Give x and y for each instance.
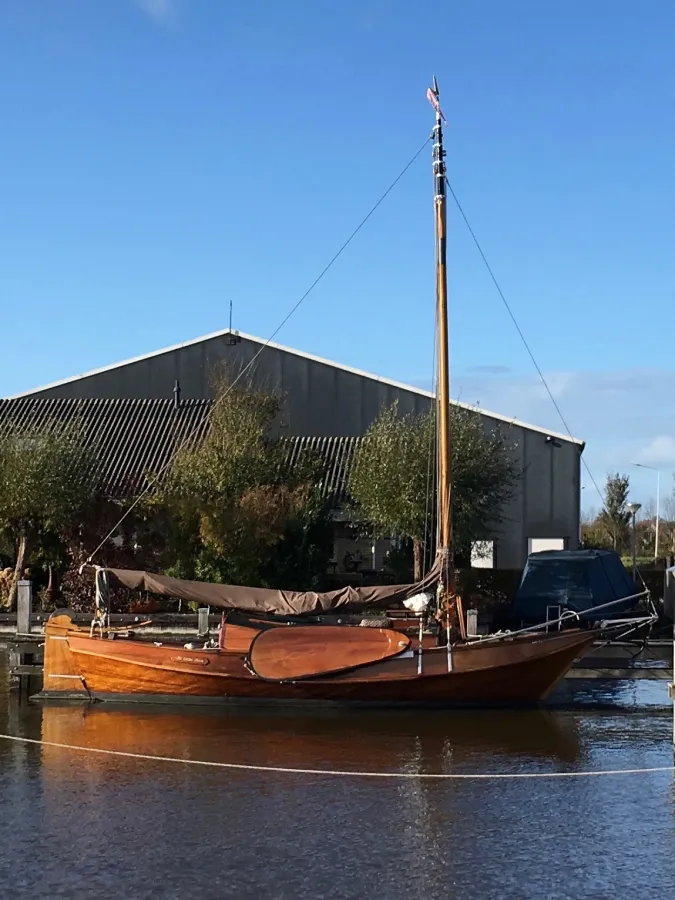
(440, 776)
(202, 422)
(518, 329)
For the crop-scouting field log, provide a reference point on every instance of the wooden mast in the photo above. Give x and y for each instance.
(444, 532)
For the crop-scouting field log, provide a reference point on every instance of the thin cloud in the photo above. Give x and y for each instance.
(623, 415)
(659, 452)
(160, 11)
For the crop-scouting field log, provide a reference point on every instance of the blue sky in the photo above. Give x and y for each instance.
(161, 157)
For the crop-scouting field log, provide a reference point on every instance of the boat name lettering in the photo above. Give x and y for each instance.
(190, 659)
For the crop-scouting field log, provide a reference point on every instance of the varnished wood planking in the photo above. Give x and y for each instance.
(518, 671)
(237, 637)
(61, 671)
(315, 650)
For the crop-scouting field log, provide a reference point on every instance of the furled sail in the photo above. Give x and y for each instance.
(265, 600)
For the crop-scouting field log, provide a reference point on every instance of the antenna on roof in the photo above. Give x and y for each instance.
(233, 337)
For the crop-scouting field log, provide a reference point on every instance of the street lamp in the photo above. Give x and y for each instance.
(633, 509)
(658, 492)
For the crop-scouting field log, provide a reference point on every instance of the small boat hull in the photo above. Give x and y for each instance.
(522, 670)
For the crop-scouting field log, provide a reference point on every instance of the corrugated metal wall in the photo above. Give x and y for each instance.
(320, 400)
(547, 501)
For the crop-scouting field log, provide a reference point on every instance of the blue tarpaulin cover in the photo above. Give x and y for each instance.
(576, 580)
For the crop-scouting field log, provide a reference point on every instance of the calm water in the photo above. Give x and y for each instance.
(85, 825)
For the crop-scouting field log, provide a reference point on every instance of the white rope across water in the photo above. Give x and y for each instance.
(339, 772)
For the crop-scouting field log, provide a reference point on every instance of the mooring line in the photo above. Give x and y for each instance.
(339, 772)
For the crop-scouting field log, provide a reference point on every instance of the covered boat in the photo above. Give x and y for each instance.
(591, 582)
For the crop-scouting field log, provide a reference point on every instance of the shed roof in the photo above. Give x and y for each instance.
(132, 438)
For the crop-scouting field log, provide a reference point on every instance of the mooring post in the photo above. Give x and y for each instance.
(669, 612)
(669, 589)
(24, 610)
(24, 606)
(471, 622)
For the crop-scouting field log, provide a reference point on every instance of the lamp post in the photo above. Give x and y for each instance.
(658, 493)
(633, 509)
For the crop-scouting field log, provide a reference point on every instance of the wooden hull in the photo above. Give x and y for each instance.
(522, 670)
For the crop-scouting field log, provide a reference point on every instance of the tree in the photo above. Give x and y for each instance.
(667, 536)
(233, 506)
(46, 484)
(646, 530)
(391, 483)
(669, 505)
(594, 534)
(615, 517)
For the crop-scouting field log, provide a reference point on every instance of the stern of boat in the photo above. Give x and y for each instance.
(62, 679)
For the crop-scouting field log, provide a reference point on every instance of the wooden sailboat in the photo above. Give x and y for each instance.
(264, 656)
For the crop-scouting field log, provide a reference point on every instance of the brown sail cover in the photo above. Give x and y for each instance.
(264, 600)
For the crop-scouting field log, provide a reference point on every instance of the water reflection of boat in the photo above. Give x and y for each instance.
(321, 739)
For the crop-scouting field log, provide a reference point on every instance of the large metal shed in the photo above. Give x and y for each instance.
(323, 399)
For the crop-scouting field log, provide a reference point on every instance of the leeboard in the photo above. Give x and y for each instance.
(309, 651)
